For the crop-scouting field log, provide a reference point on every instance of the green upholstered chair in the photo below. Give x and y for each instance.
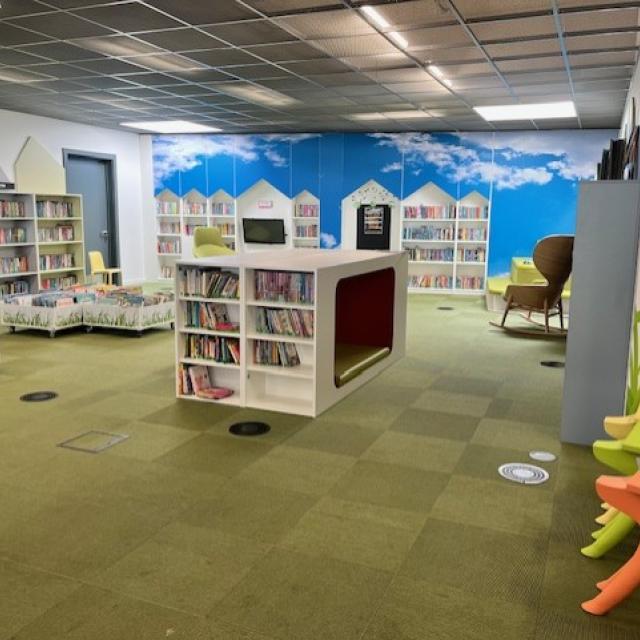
(207, 242)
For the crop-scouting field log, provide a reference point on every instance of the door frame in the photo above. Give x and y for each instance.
(113, 260)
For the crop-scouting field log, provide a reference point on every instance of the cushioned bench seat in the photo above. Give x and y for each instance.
(353, 359)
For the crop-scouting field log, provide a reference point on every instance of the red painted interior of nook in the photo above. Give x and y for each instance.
(364, 309)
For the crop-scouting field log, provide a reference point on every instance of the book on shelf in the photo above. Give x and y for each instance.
(422, 254)
(209, 283)
(14, 287)
(169, 227)
(227, 229)
(307, 210)
(167, 272)
(222, 208)
(286, 322)
(474, 283)
(472, 233)
(306, 231)
(169, 246)
(277, 354)
(12, 235)
(53, 209)
(468, 212)
(208, 315)
(58, 283)
(216, 348)
(194, 209)
(428, 232)
(12, 209)
(190, 229)
(167, 207)
(430, 212)
(431, 281)
(56, 261)
(59, 233)
(14, 264)
(196, 380)
(284, 286)
(476, 254)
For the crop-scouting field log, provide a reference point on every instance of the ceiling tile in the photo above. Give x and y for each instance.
(603, 42)
(11, 35)
(109, 66)
(128, 17)
(63, 71)
(152, 79)
(512, 29)
(415, 13)
(327, 24)
(600, 20)
(487, 8)
(221, 57)
(531, 64)
(61, 26)
(326, 65)
(256, 71)
(12, 8)
(523, 49)
(367, 45)
(61, 52)
(436, 37)
(183, 39)
(15, 57)
(602, 59)
(377, 63)
(287, 52)
(250, 32)
(103, 82)
(199, 12)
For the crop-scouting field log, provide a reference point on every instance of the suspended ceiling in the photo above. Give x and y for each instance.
(316, 65)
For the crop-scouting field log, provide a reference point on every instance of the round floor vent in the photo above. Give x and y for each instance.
(249, 428)
(554, 364)
(542, 456)
(38, 396)
(523, 473)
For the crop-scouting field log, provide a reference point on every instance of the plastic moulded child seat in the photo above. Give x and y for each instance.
(623, 494)
(207, 242)
(96, 262)
(620, 455)
(553, 258)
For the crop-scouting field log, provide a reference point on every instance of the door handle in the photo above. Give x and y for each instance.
(104, 234)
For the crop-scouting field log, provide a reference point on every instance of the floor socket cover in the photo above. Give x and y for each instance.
(93, 441)
(445, 308)
(542, 456)
(249, 428)
(38, 396)
(554, 364)
(523, 473)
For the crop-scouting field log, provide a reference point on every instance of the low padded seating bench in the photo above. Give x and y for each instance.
(353, 359)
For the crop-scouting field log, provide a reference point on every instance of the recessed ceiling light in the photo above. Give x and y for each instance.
(170, 126)
(255, 93)
(116, 46)
(537, 111)
(406, 115)
(436, 71)
(372, 13)
(447, 82)
(399, 39)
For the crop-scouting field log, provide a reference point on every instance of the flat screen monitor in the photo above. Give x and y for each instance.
(263, 230)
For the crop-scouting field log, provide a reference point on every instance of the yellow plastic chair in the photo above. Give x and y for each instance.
(96, 262)
(208, 242)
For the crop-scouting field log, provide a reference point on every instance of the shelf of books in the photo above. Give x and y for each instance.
(306, 221)
(41, 242)
(222, 214)
(246, 337)
(168, 232)
(446, 241)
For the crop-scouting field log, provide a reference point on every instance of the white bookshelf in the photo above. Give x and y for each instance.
(44, 238)
(222, 214)
(305, 227)
(307, 388)
(168, 232)
(447, 253)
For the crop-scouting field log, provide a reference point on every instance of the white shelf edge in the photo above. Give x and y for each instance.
(22, 274)
(184, 298)
(304, 372)
(7, 245)
(274, 337)
(209, 363)
(233, 400)
(209, 332)
(280, 305)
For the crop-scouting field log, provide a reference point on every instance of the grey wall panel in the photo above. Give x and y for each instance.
(602, 298)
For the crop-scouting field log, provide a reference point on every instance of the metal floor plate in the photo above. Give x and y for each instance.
(93, 441)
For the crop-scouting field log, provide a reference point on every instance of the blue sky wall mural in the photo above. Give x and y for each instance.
(531, 177)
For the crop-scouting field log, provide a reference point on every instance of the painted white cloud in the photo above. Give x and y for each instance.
(393, 166)
(275, 158)
(574, 155)
(328, 241)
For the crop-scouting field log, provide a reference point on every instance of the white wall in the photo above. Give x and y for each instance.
(56, 135)
(634, 92)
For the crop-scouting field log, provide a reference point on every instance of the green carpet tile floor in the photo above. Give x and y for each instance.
(383, 519)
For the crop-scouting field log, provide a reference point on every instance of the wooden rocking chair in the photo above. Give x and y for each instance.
(553, 257)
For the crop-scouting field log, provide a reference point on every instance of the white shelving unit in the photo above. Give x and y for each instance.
(447, 241)
(305, 230)
(222, 213)
(168, 232)
(309, 387)
(43, 236)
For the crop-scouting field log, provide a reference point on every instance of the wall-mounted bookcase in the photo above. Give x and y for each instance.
(41, 242)
(305, 230)
(447, 241)
(168, 232)
(222, 213)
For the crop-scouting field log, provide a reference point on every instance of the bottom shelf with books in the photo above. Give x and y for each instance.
(209, 384)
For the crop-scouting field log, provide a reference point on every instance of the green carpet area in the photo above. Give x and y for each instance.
(383, 519)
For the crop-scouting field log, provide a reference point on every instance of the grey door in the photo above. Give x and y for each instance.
(92, 177)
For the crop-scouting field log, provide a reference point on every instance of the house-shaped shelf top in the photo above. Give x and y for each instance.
(370, 192)
(429, 194)
(263, 200)
(37, 171)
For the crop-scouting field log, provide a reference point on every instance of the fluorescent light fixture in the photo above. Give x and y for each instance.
(447, 82)
(436, 71)
(255, 93)
(168, 62)
(365, 116)
(375, 16)
(399, 39)
(406, 115)
(118, 46)
(170, 126)
(536, 111)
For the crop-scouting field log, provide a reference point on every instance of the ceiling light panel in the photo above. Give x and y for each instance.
(536, 111)
(256, 94)
(375, 16)
(170, 126)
